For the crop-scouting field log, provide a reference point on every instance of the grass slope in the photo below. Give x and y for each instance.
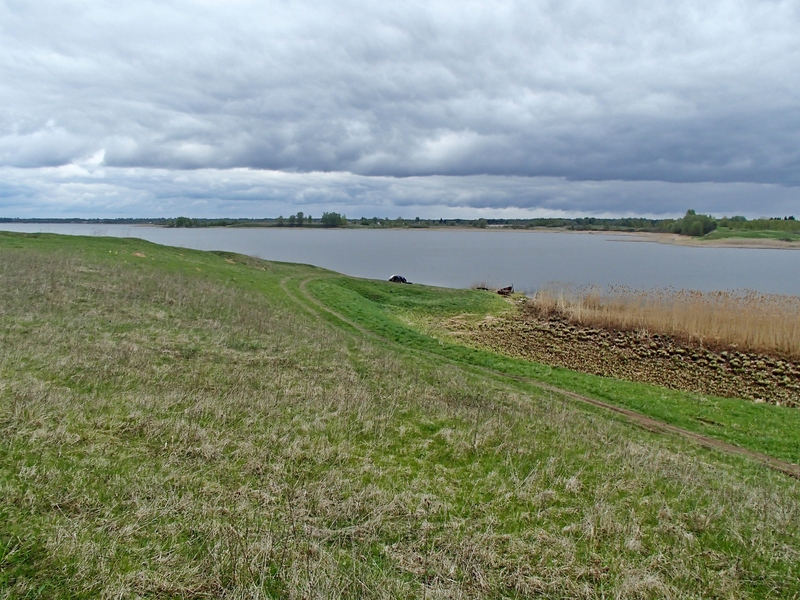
(392, 311)
(758, 234)
(185, 424)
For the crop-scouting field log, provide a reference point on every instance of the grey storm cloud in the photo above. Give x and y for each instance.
(602, 106)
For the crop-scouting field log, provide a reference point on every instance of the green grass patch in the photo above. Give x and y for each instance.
(725, 233)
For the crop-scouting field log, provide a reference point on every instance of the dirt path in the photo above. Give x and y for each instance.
(639, 419)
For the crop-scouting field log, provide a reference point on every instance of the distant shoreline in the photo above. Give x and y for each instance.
(671, 239)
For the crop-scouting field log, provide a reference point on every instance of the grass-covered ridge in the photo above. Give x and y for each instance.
(722, 233)
(185, 424)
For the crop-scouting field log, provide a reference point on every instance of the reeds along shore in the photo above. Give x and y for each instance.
(747, 320)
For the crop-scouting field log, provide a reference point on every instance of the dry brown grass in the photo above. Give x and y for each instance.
(748, 320)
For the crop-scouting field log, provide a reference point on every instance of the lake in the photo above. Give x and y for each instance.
(462, 258)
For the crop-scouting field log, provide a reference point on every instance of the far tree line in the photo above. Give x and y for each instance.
(695, 225)
(691, 224)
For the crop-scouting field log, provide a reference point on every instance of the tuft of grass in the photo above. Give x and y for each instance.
(189, 424)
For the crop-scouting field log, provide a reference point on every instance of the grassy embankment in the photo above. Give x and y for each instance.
(179, 423)
(721, 233)
(402, 314)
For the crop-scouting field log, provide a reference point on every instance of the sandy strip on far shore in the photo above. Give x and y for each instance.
(629, 236)
(634, 236)
(682, 240)
(672, 239)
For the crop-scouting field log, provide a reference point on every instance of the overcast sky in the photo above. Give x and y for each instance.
(435, 108)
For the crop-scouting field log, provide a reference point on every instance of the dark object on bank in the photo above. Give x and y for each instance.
(398, 279)
(484, 288)
(506, 291)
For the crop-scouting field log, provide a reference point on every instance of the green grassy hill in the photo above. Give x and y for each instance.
(756, 234)
(186, 424)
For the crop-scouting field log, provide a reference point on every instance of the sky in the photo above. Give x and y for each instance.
(441, 108)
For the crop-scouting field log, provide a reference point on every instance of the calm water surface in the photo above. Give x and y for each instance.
(529, 260)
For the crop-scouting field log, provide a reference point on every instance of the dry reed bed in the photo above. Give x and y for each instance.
(744, 320)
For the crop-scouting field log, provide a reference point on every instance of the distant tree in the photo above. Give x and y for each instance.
(695, 229)
(184, 222)
(300, 218)
(332, 219)
(280, 221)
(694, 225)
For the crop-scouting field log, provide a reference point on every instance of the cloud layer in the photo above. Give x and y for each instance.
(604, 106)
(112, 191)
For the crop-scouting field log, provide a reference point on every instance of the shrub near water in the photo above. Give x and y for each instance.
(748, 320)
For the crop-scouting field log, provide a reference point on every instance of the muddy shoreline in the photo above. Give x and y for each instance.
(635, 356)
